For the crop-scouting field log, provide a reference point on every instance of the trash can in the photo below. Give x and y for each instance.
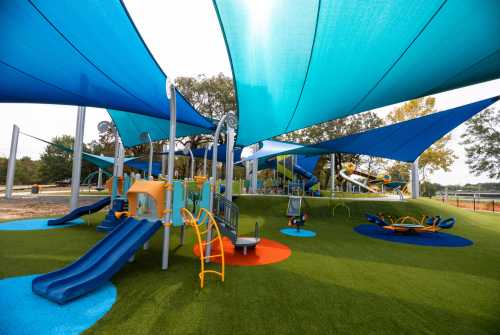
(35, 189)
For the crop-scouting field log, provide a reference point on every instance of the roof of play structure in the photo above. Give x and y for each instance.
(318, 60)
(403, 141)
(85, 53)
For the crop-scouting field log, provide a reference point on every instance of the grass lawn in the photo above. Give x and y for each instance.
(337, 283)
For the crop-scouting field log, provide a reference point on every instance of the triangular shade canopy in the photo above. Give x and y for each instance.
(299, 63)
(85, 53)
(131, 125)
(403, 141)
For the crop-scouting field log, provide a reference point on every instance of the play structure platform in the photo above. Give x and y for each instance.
(98, 265)
(80, 211)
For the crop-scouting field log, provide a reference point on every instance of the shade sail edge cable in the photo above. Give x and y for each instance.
(311, 51)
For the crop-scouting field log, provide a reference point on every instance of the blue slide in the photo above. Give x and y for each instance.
(76, 213)
(311, 179)
(98, 265)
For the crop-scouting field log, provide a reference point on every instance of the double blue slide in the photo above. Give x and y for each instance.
(84, 210)
(98, 265)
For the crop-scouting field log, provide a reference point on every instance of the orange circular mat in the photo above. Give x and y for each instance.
(266, 252)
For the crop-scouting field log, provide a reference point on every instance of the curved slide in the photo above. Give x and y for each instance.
(312, 179)
(98, 265)
(348, 178)
(76, 213)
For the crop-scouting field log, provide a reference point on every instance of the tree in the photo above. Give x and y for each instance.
(56, 163)
(482, 140)
(27, 171)
(439, 155)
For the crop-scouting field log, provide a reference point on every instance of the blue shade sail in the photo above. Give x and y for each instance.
(131, 125)
(403, 141)
(86, 53)
(298, 63)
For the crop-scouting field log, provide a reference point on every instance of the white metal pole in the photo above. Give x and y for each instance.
(415, 182)
(121, 159)
(170, 178)
(115, 165)
(229, 163)
(205, 162)
(255, 169)
(150, 165)
(164, 160)
(192, 163)
(332, 173)
(11, 167)
(77, 158)
(99, 177)
(213, 179)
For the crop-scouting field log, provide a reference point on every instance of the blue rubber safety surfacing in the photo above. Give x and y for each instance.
(438, 239)
(24, 312)
(35, 224)
(300, 233)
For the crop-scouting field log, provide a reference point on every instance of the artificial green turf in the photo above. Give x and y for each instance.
(337, 283)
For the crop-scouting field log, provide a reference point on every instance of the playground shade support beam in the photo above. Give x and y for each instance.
(77, 158)
(150, 163)
(205, 161)
(229, 163)
(332, 174)
(213, 182)
(164, 159)
(170, 176)
(415, 182)
(11, 167)
(192, 163)
(255, 169)
(99, 177)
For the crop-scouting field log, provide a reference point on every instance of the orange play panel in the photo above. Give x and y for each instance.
(266, 252)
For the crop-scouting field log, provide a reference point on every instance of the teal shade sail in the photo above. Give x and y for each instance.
(85, 53)
(403, 141)
(131, 125)
(298, 63)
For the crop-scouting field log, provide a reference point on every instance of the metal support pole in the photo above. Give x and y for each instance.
(255, 170)
(150, 163)
(213, 179)
(192, 163)
(170, 178)
(332, 174)
(229, 163)
(415, 182)
(205, 162)
(99, 178)
(11, 167)
(77, 158)
(164, 160)
(114, 181)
